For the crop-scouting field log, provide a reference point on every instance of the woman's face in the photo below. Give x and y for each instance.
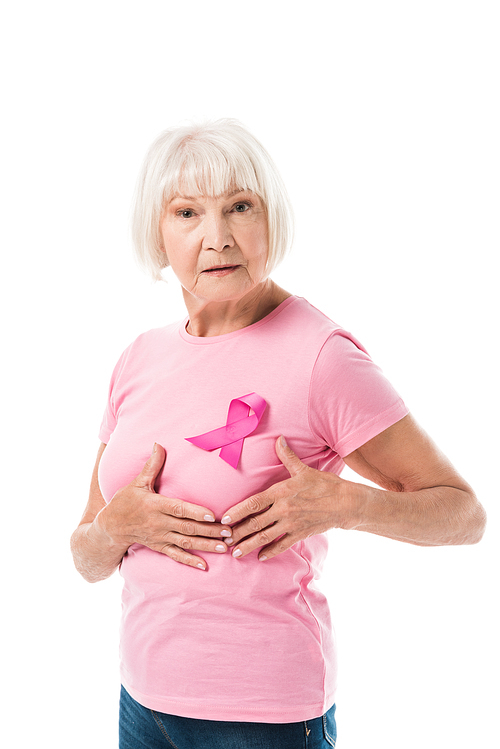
(217, 247)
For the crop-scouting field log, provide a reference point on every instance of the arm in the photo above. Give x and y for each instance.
(423, 500)
(95, 555)
(137, 514)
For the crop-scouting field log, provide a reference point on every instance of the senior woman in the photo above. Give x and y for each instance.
(218, 474)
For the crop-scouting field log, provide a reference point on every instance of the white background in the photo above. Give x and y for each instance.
(383, 118)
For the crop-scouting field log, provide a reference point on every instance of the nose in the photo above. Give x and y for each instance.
(217, 233)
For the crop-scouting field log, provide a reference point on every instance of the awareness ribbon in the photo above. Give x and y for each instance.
(238, 426)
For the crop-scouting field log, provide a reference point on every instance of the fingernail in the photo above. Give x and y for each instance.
(209, 518)
(262, 558)
(283, 441)
(228, 541)
(225, 520)
(154, 448)
(200, 566)
(237, 553)
(221, 547)
(226, 533)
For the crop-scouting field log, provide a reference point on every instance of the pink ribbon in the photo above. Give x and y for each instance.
(238, 426)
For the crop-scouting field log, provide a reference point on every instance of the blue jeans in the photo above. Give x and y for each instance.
(142, 728)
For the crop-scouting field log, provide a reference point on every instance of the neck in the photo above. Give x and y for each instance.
(217, 318)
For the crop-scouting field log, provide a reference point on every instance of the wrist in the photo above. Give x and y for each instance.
(106, 531)
(354, 507)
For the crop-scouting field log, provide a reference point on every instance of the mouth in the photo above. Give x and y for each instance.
(220, 270)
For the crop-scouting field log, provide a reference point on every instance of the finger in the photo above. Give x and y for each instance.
(196, 543)
(278, 547)
(262, 538)
(250, 526)
(249, 506)
(147, 477)
(182, 557)
(292, 463)
(187, 527)
(178, 508)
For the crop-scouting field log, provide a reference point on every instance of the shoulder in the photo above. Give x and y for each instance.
(298, 320)
(144, 348)
(155, 335)
(151, 339)
(303, 312)
(334, 340)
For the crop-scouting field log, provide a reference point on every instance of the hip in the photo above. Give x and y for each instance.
(150, 729)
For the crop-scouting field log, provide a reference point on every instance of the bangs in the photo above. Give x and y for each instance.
(206, 169)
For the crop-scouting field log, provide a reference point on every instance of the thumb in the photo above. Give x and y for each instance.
(152, 467)
(292, 463)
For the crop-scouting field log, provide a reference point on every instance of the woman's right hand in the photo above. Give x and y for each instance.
(138, 515)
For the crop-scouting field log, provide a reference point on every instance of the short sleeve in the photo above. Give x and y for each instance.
(351, 401)
(109, 419)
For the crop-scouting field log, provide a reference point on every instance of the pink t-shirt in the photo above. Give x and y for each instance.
(246, 640)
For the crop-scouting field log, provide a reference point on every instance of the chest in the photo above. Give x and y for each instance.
(183, 396)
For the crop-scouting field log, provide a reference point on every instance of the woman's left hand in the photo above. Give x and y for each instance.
(308, 503)
(422, 499)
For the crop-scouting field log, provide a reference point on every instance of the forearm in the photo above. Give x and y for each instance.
(437, 516)
(95, 555)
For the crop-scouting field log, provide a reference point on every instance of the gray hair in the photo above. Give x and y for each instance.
(207, 159)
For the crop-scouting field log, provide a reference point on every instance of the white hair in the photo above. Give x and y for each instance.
(207, 159)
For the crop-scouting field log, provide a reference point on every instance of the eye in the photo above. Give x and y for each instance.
(242, 207)
(185, 213)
